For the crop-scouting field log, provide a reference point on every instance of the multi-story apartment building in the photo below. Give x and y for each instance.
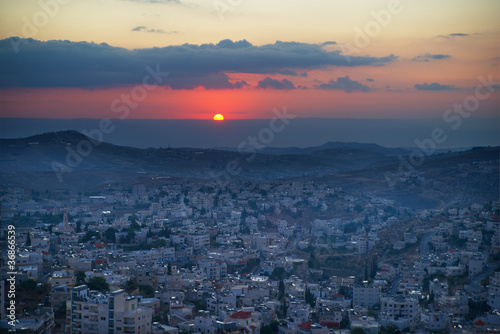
(400, 306)
(365, 243)
(365, 296)
(91, 311)
(214, 270)
(494, 291)
(198, 241)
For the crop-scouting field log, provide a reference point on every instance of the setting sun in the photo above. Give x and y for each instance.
(218, 117)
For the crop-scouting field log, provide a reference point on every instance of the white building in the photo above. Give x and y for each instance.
(494, 291)
(365, 296)
(368, 324)
(365, 243)
(93, 312)
(476, 265)
(400, 306)
(215, 270)
(198, 241)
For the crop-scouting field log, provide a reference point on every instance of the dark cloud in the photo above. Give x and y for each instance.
(32, 63)
(345, 84)
(276, 84)
(428, 56)
(454, 35)
(434, 86)
(370, 80)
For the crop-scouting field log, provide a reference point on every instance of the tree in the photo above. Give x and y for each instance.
(389, 329)
(285, 308)
(146, 290)
(109, 234)
(344, 323)
(374, 268)
(28, 285)
(80, 278)
(344, 291)
(78, 226)
(88, 236)
(309, 298)
(278, 273)
(134, 226)
(358, 330)
(275, 326)
(128, 238)
(130, 286)
(98, 283)
(165, 232)
(266, 330)
(313, 262)
(281, 290)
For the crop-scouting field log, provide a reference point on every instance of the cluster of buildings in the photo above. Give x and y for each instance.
(244, 258)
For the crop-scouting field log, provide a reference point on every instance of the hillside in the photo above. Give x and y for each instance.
(70, 160)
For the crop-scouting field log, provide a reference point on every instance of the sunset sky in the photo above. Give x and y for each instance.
(185, 59)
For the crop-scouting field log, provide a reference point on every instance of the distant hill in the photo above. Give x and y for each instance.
(329, 146)
(70, 160)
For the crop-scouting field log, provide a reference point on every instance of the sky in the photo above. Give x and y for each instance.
(186, 59)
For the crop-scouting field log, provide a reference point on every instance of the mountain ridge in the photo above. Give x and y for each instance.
(70, 160)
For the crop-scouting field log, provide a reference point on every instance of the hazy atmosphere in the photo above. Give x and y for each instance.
(250, 166)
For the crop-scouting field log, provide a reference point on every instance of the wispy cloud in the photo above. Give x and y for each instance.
(178, 2)
(454, 35)
(426, 57)
(158, 31)
(345, 84)
(434, 86)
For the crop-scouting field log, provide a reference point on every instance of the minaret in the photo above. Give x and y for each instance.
(66, 228)
(65, 221)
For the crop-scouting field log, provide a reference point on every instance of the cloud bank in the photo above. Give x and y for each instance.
(89, 65)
